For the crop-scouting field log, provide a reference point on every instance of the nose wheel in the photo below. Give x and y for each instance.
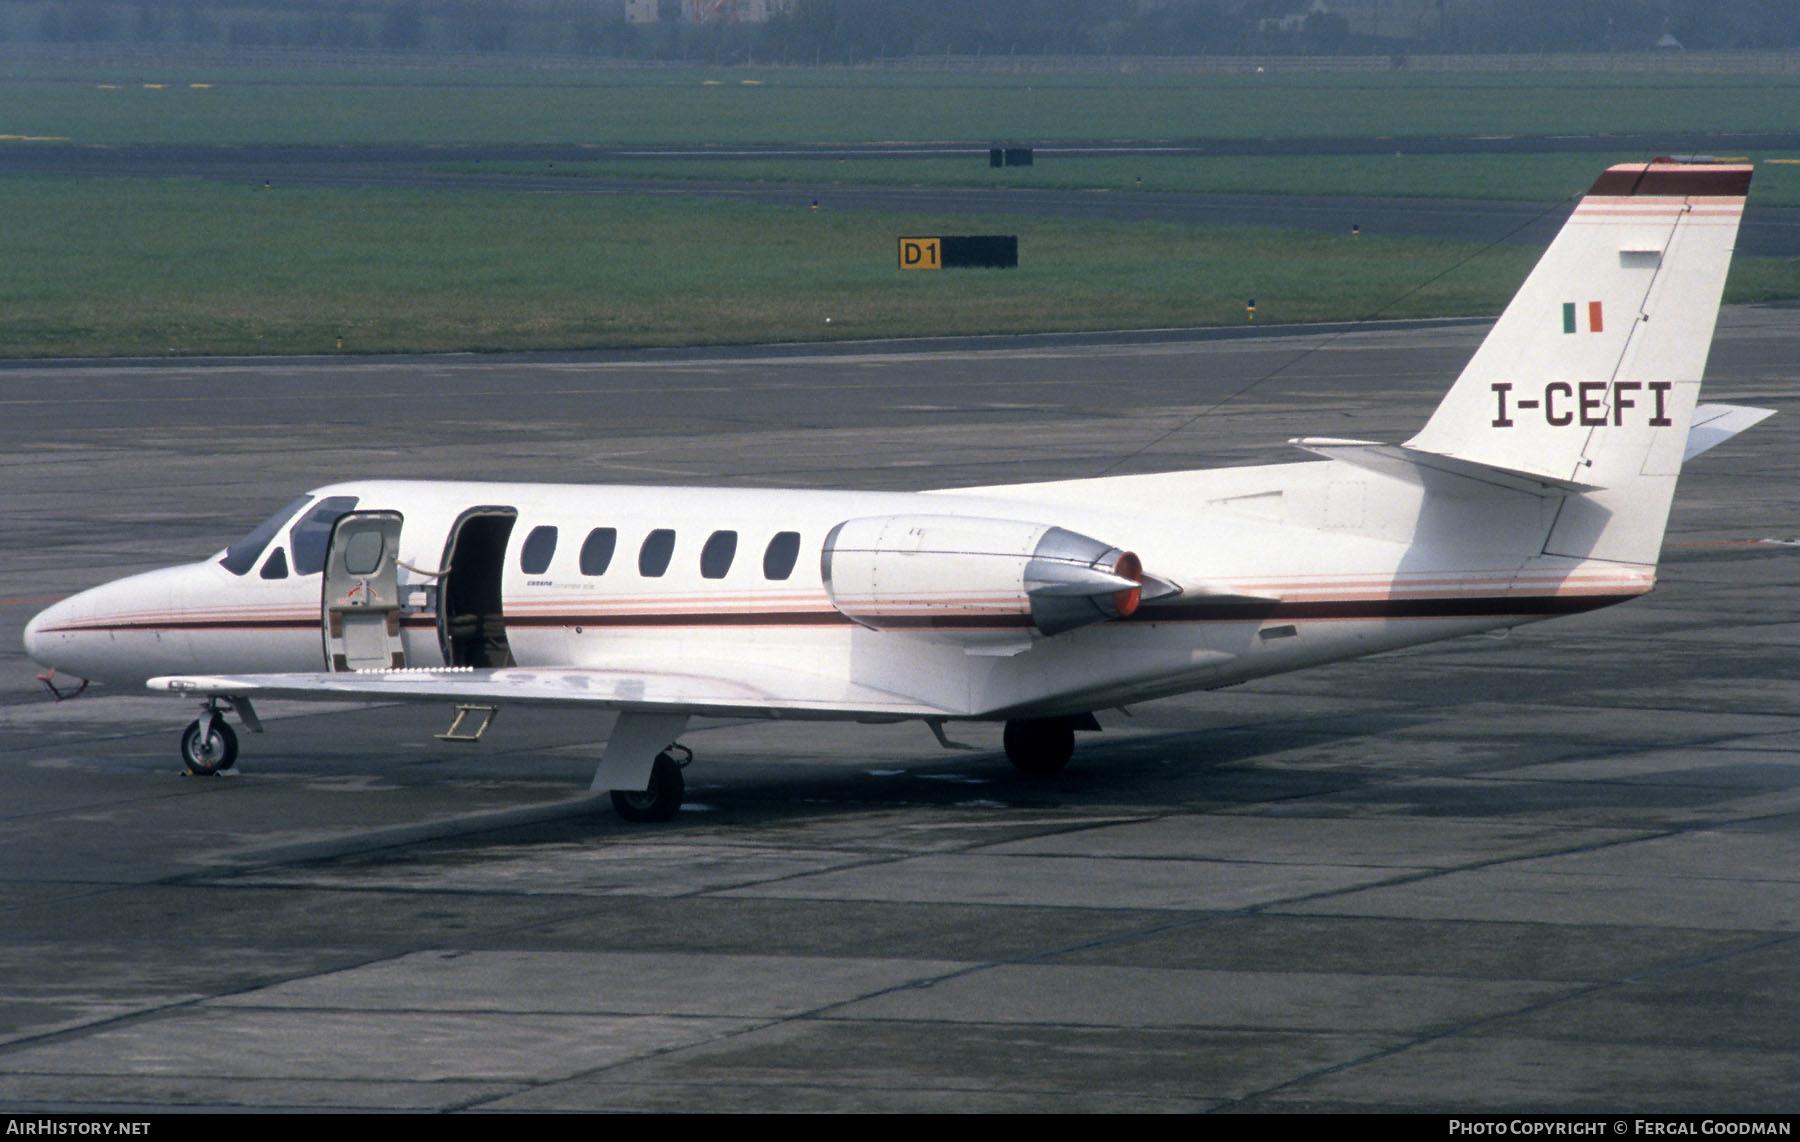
(209, 746)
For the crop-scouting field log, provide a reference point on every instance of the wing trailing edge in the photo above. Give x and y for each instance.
(702, 689)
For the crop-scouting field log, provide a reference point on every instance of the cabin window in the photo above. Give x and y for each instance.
(597, 550)
(653, 557)
(310, 537)
(276, 565)
(540, 545)
(779, 556)
(716, 556)
(242, 555)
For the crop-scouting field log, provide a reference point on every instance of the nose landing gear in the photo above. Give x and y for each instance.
(209, 746)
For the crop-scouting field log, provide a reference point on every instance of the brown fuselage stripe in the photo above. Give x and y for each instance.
(191, 624)
(1426, 608)
(1487, 606)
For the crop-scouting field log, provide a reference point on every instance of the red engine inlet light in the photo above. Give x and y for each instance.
(1129, 567)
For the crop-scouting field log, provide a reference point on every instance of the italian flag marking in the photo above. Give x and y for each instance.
(1595, 325)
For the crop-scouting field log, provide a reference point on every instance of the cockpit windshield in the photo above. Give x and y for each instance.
(242, 555)
(311, 533)
(309, 536)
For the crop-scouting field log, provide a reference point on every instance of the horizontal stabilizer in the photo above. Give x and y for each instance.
(1714, 424)
(1404, 463)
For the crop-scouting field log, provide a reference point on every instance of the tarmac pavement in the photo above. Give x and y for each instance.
(1556, 871)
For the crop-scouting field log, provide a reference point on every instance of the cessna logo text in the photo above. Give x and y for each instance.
(1589, 404)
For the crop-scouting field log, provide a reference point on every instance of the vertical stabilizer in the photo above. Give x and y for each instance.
(1592, 373)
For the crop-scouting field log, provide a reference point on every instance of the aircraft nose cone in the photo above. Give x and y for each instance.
(40, 646)
(117, 632)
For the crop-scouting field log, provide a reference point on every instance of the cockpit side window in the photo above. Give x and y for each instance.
(311, 534)
(276, 565)
(242, 555)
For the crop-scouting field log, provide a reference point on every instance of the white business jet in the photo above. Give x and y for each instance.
(1540, 487)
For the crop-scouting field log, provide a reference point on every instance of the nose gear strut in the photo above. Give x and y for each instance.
(209, 746)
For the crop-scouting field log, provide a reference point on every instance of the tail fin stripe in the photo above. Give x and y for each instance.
(1673, 181)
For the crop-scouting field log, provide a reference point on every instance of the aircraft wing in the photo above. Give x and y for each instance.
(699, 688)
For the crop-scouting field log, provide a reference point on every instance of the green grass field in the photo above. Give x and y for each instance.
(186, 267)
(127, 267)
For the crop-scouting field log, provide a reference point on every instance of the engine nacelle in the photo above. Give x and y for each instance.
(956, 573)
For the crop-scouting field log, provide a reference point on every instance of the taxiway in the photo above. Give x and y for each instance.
(1555, 871)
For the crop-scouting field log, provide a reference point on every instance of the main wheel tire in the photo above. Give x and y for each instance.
(208, 746)
(1039, 745)
(657, 803)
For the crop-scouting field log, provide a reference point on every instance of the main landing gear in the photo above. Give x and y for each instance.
(661, 801)
(1039, 745)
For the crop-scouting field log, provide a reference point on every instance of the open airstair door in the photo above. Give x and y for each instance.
(362, 594)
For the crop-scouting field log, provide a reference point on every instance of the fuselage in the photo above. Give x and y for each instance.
(1277, 568)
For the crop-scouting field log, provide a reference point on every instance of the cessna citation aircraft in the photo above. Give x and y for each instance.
(1539, 487)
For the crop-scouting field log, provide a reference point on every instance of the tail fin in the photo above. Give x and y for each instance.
(1591, 376)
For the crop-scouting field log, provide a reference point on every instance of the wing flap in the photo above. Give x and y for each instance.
(702, 689)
